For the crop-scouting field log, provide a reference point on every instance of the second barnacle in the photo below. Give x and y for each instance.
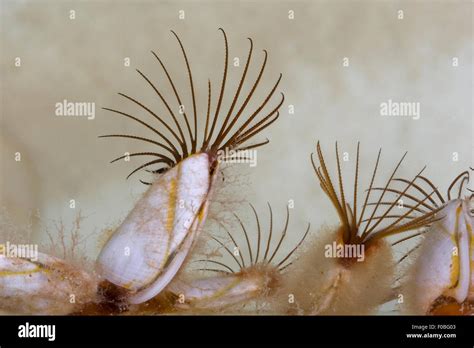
(255, 270)
(350, 269)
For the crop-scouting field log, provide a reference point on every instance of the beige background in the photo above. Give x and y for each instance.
(82, 60)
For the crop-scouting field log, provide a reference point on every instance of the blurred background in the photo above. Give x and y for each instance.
(339, 59)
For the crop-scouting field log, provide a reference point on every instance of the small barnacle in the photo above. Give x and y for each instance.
(151, 245)
(440, 279)
(55, 281)
(254, 276)
(44, 285)
(349, 269)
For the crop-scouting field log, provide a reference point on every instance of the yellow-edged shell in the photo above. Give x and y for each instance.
(148, 249)
(444, 264)
(214, 293)
(47, 285)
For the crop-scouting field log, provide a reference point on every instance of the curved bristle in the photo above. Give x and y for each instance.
(229, 252)
(293, 250)
(341, 190)
(243, 133)
(464, 176)
(221, 132)
(190, 75)
(253, 146)
(242, 264)
(421, 190)
(259, 232)
(368, 228)
(218, 263)
(176, 94)
(366, 201)
(213, 270)
(419, 204)
(356, 181)
(159, 119)
(182, 139)
(252, 244)
(167, 148)
(435, 189)
(239, 88)
(145, 165)
(283, 235)
(404, 194)
(404, 239)
(133, 154)
(208, 110)
(221, 94)
(328, 187)
(270, 231)
(244, 230)
(405, 205)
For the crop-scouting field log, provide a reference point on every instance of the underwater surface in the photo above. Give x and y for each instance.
(295, 158)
